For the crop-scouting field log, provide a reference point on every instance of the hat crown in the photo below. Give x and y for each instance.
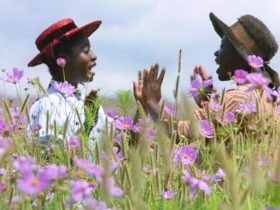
(53, 32)
(262, 36)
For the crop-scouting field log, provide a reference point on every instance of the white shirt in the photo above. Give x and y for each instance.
(59, 107)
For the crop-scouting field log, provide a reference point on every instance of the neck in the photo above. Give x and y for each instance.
(73, 83)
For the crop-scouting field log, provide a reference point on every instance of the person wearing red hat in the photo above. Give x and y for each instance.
(65, 49)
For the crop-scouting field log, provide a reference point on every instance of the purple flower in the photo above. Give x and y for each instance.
(186, 154)
(198, 85)
(3, 186)
(229, 117)
(220, 174)
(90, 168)
(111, 187)
(206, 129)
(124, 123)
(61, 62)
(276, 92)
(81, 190)
(55, 171)
(169, 109)
(255, 61)
(13, 76)
(169, 194)
(196, 183)
(258, 81)
(215, 106)
(151, 132)
(65, 88)
(74, 141)
(113, 114)
(247, 108)
(118, 138)
(33, 184)
(35, 127)
(24, 164)
(2, 171)
(137, 127)
(96, 205)
(2, 124)
(240, 76)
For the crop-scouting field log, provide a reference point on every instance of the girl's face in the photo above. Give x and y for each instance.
(228, 60)
(81, 62)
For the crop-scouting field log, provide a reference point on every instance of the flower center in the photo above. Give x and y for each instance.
(186, 156)
(201, 90)
(35, 181)
(125, 125)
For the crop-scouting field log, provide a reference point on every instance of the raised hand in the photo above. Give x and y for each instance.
(148, 89)
(151, 91)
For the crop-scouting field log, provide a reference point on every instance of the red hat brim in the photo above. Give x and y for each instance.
(87, 30)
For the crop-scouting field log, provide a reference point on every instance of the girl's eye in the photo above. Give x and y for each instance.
(86, 50)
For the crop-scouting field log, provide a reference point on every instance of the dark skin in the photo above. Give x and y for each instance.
(148, 89)
(227, 58)
(79, 63)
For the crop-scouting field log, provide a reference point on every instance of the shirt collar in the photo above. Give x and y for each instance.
(78, 94)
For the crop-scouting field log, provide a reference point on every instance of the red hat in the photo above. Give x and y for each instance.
(54, 34)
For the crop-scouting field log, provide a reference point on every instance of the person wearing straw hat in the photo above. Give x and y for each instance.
(247, 36)
(65, 49)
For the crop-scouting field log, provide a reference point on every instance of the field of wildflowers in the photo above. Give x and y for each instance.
(232, 162)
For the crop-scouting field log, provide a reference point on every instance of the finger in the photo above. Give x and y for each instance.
(196, 70)
(153, 72)
(145, 76)
(203, 73)
(140, 76)
(161, 76)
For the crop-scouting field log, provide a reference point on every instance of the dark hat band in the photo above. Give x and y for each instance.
(245, 39)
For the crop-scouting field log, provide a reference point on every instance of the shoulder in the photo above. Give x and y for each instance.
(237, 93)
(46, 101)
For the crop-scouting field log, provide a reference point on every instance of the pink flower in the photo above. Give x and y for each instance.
(186, 154)
(229, 117)
(81, 190)
(258, 81)
(276, 92)
(74, 141)
(61, 62)
(13, 76)
(3, 186)
(206, 129)
(65, 88)
(255, 61)
(247, 108)
(215, 106)
(196, 183)
(55, 171)
(124, 123)
(240, 76)
(198, 85)
(169, 109)
(169, 194)
(33, 184)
